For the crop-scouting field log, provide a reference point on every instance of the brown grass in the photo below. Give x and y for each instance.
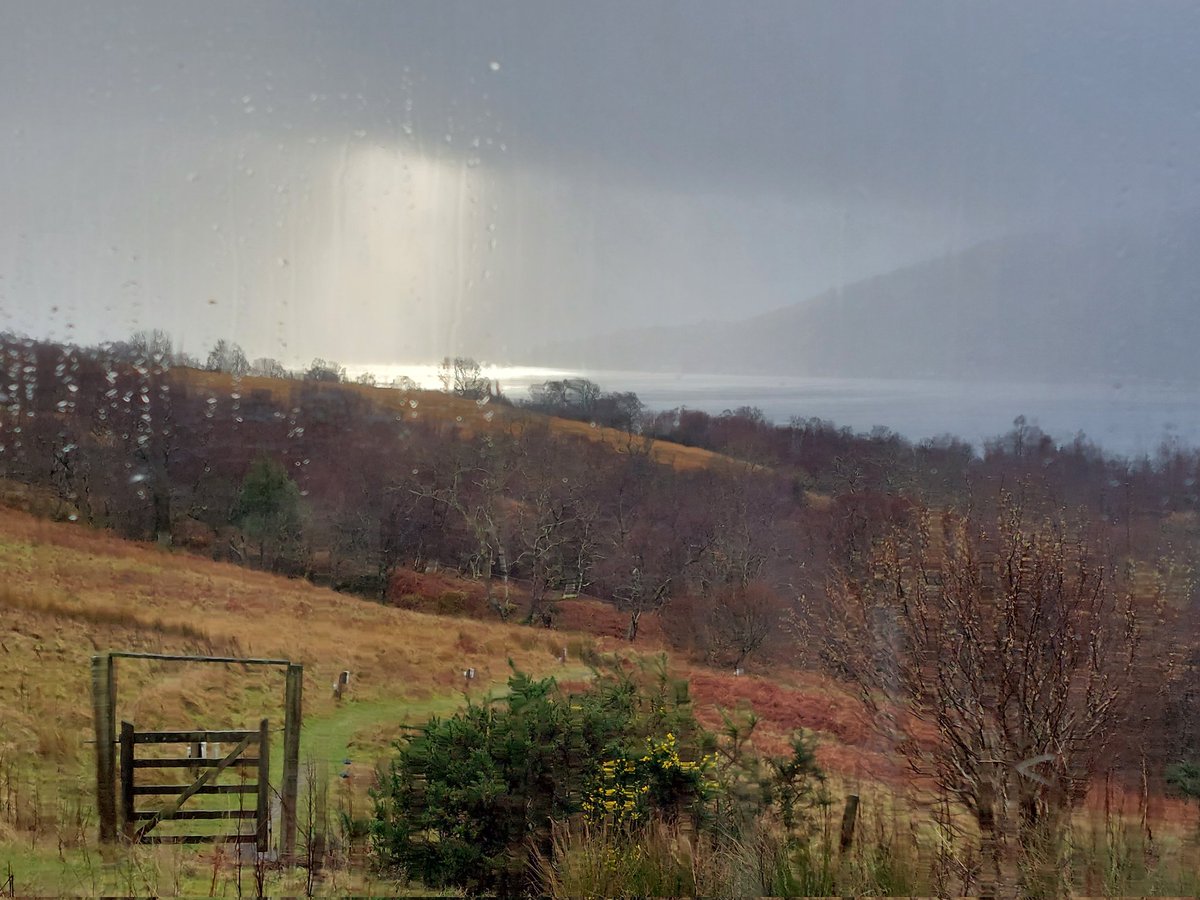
(470, 416)
(785, 702)
(69, 592)
(605, 621)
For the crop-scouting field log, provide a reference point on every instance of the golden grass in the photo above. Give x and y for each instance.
(70, 592)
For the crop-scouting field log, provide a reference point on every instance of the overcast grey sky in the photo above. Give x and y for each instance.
(386, 182)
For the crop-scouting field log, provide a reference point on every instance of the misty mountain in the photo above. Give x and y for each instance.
(1117, 303)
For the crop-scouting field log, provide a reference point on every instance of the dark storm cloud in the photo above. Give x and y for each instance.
(646, 160)
(909, 100)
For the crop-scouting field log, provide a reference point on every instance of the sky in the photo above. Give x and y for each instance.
(386, 182)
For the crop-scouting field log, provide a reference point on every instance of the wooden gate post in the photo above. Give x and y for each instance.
(104, 717)
(262, 817)
(291, 761)
(127, 798)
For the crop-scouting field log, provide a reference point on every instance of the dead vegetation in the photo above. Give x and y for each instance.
(471, 416)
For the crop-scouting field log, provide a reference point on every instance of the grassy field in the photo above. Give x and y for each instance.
(68, 592)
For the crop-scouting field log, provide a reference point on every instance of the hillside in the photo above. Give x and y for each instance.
(69, 591)
(1114, 303)
(422, 503)
(450, 410)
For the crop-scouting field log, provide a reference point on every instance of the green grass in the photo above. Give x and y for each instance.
(361, 730)
(166, 871)
(358, 730)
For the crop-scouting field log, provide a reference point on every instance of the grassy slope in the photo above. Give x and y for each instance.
(67, 592)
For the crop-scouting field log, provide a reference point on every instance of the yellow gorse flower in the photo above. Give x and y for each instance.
(624, 786)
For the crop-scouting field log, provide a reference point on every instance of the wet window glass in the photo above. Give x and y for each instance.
(612, 448)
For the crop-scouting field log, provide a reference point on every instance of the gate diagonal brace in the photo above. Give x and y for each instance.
(169, 811)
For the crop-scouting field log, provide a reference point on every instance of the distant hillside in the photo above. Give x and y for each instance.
(447, 408)
(1113, 304)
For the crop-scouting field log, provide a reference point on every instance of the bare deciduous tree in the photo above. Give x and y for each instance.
(266, 367)
(653, 538)
(226, 356)
(554, 524)
(741, 618)
(1016, 647)
(463, 377)
(472, 482)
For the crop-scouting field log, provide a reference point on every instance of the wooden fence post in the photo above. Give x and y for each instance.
(291, 761)
(849, 818)
(263, 810)
(104, 716)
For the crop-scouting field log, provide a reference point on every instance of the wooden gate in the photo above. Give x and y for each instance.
(139, 823)
(119, 810)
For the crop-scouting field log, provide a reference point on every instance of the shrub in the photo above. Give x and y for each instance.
(628, 786)
(479, 801)
(468, 794)
(470, 799)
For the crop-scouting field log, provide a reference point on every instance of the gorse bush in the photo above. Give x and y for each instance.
(626, 789)
(474, 801)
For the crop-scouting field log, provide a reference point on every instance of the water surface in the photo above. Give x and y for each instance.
(1129, 418)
